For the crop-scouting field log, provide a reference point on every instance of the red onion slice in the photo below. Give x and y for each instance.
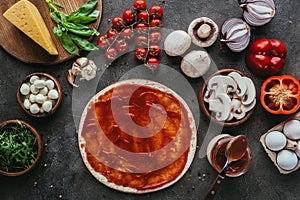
(258, 12)
(235, 33)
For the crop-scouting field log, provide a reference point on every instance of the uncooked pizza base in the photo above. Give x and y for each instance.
(193, 142)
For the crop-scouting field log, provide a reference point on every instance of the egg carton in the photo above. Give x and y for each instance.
(273, 154)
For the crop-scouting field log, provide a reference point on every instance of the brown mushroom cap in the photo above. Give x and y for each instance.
(193, 32)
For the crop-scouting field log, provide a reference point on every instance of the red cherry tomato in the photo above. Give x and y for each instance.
(140, 4)
(156, 11)
(152, 63)
(141, 28)
(111, 54)
(118, 22)
(127, 33)
(155, 37)
(129, 16)
(102, 42)
(140, 53)
(155, 24)
(122, 45)
(111, 34)
(266, 56)
(154, 50)
(143, 15)
(141, 41)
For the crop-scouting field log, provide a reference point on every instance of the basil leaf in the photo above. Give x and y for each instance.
(87, 19)
(85, 9)
(83, 43)
(68, 44)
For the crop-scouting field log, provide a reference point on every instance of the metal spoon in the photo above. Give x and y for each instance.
(235, 150)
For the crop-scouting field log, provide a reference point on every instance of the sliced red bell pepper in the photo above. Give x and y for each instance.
(280, 94)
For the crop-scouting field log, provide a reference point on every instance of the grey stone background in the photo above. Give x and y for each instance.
(61, 172)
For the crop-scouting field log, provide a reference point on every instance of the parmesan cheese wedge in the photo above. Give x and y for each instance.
(26, 17)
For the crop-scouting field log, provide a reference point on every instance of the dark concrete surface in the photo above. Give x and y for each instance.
(61, 172)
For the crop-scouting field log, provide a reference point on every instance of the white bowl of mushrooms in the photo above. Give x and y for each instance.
(228, 97)
(39, 94)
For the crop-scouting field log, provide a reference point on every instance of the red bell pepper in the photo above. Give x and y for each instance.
(266, 56)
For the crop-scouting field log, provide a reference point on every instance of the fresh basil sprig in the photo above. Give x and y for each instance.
(72, 29)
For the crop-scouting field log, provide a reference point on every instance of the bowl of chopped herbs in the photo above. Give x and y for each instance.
(20, 147)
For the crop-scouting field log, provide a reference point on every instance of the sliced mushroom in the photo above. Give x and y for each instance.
(247, 108)
(222, 84)
(242, 86)
(203, 31)
(195, 63)
(221, 106)
(250, 94)
(177, 43)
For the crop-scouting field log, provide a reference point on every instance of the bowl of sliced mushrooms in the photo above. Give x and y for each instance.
(39, 94)
(228, 97)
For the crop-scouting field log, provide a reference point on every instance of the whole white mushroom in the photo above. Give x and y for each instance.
(195, 64)
(177, 43)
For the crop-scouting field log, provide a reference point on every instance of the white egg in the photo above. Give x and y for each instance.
(292, 129)
(287, 160)
(275, 140)
(297, 151)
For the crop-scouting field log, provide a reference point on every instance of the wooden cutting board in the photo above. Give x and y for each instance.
(23, 48)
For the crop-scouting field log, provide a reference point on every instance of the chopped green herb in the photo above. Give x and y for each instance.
(18, 147)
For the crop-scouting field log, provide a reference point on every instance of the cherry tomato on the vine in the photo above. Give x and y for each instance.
(127, 33)
(118, 22)
(129, 16)
(111, 34)
(154, 50)
(152, 63)
(121, 45)
(111, 54)
(156, 11)
(140, 53)
(143, 15)
(102, 42)
(141, 41)
(155, 23)
(140, 4)
(155, 37)
(141, 28)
